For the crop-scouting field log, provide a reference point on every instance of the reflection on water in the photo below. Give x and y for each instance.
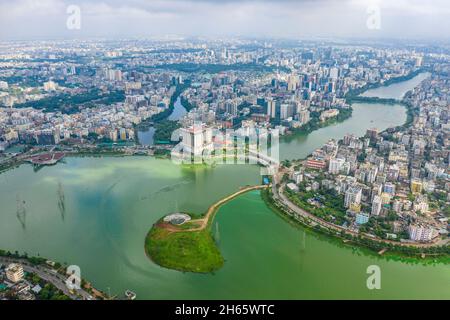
(265, 257)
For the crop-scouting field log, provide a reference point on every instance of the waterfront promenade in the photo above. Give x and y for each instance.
(293, 210)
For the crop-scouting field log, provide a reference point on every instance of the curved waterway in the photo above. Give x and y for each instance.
(145, 137)
(111, 203)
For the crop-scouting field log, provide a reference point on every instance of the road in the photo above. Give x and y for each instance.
(47, 274)
(278, 195)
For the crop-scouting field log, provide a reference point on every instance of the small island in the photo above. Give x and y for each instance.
(181, 243)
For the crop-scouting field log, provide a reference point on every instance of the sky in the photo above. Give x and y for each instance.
(52, 19)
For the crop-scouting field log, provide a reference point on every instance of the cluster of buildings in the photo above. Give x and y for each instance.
(110, 122)
(314, 89)
(13, 284)
(400, 175)
(272, 86)
(393, 184)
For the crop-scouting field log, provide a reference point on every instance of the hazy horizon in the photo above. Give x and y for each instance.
(289, 19)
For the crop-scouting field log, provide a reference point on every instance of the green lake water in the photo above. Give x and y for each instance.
(111, 203)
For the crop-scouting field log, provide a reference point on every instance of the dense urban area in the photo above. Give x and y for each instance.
(388, 189)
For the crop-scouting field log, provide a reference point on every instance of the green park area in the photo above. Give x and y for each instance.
(189, 251)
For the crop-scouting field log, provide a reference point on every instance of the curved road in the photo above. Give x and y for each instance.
(280, 197)
(49, 275)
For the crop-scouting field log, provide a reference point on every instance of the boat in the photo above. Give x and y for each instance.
(130, 295)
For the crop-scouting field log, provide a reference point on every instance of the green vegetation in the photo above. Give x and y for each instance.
(28, 81)
(395, 251)
(17, 255)
(315, 123)
(184, 251)
(164, 130)
(162, 153)
(49, 291)
(352, 94)
(186, 104)
(329, 205)
(71, 104)
(166, 113)
(189, 247)
(374, 100)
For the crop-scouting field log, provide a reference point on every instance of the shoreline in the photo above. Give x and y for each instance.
(87, 291)
(371, 243)
(345, 243)
(164, 234)
(375, 245)
(409, 109)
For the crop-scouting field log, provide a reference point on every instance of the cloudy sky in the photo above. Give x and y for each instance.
(28, 19)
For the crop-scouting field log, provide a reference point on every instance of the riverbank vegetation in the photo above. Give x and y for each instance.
(315, 123)
(164, 130)
(358, 91)
(168, 111)
(398, 251)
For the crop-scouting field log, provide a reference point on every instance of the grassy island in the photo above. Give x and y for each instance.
(189, 247)
(191, 251)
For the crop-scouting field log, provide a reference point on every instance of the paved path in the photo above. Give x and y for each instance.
(213, 209)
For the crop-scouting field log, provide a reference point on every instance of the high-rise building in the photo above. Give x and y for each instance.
(352, 195)
(303, 115)
(286, 111)
(416, 186)
(334, 73)
(362, 218)
(372, 133)
(335, 165)
(376, 205)
(231, 108)
(292, 82)
(271, 108)
(50, 86)
(196, 139)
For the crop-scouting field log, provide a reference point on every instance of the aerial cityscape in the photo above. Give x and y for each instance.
(200, 164)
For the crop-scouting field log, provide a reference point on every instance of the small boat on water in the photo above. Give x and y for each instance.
(130, 295)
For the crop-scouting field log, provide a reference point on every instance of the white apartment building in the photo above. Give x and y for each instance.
(421, 233)
(376, 205)
(196, 139)
(352, 196)
(335, 165)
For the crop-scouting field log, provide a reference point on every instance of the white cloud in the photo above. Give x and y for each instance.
(288, 18)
